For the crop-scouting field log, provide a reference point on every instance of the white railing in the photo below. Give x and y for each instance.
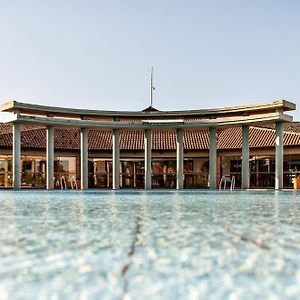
(63, 183)
(224, 181)
(74, 183)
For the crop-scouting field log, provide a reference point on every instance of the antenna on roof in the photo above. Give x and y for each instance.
(152, 88)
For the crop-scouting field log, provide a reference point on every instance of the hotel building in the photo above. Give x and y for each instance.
(51, 147)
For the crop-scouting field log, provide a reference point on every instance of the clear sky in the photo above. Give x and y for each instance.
(98, 54)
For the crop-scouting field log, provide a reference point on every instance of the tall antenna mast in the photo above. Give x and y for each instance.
(152, 88)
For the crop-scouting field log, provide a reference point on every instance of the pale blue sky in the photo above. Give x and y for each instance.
(98, 54)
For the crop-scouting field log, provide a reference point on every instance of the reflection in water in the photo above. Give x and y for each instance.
(113, 209)
(158, 244)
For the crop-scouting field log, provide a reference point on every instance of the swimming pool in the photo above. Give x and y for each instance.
(150, 245)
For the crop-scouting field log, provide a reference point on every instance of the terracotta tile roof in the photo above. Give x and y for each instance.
(6, 140)
(5, 128)
(289, 127)
(291, 139)
(196, 139)
(35, 138)
(30, 138)
(99, 140)
(230, 138)
(259, 137)
(69, 139)
(161, 140)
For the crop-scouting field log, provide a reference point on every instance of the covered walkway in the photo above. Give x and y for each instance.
(147, 121)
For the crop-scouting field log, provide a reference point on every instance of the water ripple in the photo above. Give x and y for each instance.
(153, 245)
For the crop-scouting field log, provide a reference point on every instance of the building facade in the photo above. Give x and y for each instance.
(149, 149)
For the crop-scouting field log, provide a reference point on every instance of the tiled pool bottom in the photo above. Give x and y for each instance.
(149, 245)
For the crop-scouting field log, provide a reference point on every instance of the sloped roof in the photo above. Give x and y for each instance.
(69, 139)
(149, 109)
(231, 138)
(289, 127)
(259, 137)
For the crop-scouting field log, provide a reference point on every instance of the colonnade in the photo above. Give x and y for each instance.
(147, 142)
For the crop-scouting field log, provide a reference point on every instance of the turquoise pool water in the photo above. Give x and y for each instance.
(149, 245)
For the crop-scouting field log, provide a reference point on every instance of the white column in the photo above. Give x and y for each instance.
(84, 158)
(179, 181)
(279, 156)
(212, 158)
(245, 157)
(148, 183)
(16, 156)
(116, 159)
(50, 158)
